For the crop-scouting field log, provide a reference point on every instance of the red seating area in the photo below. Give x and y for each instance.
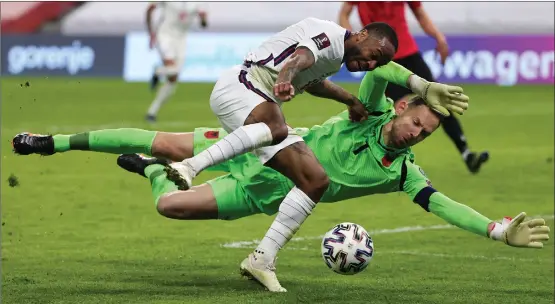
(28, 17)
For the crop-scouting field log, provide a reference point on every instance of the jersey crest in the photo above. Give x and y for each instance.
(386, 162)
(322, 41)
(211, 134)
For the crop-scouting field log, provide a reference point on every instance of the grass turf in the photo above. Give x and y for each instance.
(77, 229)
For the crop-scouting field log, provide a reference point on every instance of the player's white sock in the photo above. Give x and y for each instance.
(293, 211)
(162, 96)
(244, 139)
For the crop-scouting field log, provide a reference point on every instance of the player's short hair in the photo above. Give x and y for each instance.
(416, 101)
(381, 30)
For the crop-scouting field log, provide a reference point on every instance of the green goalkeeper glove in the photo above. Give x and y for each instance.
(440, 97)
(519, 233)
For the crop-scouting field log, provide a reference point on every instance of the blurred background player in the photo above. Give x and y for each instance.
(169, 39)
(409, 56)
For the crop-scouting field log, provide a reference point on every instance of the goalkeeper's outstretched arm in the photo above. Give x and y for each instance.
(514, 232)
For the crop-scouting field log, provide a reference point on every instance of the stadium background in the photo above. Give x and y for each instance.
(494, 43)
(75, 229)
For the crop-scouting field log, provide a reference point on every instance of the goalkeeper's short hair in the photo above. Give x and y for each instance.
(415, 101)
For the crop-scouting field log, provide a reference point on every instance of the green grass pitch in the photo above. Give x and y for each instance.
(77, 229)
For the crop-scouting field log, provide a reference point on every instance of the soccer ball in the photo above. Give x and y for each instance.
(347, 248)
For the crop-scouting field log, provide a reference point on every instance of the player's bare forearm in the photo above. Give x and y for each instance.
(300, 60)
(149, 12)
(329, 90)
(344, 13)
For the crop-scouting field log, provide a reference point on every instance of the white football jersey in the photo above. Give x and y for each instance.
(177, 17)
(325, 39)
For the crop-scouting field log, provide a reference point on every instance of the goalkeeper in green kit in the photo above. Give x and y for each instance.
(361, 159)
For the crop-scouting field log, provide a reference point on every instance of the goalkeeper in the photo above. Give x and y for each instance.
(361, 159)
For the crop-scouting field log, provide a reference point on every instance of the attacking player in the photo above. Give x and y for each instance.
(247, 100)
(409, 56)
(169, 39)
(253, 188)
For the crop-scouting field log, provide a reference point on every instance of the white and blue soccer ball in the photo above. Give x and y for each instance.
(347, 248)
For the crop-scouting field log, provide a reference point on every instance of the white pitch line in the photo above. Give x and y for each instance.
(251, 244)
(246, 244)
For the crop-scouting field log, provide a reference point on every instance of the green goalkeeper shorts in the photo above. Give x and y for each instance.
(249, 188)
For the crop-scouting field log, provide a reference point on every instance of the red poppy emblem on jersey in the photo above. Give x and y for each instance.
(386, 161)
(212, 134)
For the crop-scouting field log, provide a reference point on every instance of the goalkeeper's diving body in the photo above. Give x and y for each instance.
(372, 157)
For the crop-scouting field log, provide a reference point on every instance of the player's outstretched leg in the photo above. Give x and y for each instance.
(116, 141)
(174, 146)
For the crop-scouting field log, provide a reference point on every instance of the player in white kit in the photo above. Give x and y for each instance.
(169, 39)
(247, 101)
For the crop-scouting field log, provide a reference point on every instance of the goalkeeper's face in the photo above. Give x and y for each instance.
(413, 124)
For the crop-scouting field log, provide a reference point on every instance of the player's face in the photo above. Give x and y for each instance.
(412, 126)
(369, 53)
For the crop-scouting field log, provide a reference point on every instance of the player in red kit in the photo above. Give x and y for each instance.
(409, 56)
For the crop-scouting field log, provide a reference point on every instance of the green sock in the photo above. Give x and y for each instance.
(159, 182)
(117, 141)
